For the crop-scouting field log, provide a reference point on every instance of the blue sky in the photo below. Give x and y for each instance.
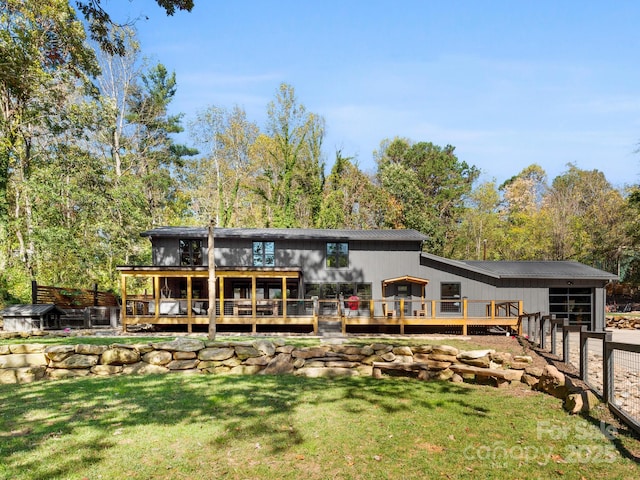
(508, 83)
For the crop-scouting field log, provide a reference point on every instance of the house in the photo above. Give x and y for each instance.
(26, 317)
(295, 278)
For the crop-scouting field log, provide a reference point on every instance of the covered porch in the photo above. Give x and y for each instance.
(244, 296)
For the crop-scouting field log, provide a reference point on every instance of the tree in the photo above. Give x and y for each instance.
(430, 183)
(44, 61)
(107, 33)
(216, 181)
(352, 200)
(525, 224)
(586, 215)
(291, 178)
(153, 151)
(479, 232)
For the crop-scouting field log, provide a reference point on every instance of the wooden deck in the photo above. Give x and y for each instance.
(299, 313)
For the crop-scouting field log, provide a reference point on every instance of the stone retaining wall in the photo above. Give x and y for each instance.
(22, 363)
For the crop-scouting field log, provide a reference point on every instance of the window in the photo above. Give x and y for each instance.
(334, 290)
(337, 255)
(264, 254)
(576, 304)
(450, 294)
(190, 252)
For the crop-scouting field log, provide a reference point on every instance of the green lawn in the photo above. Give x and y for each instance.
(251, 427)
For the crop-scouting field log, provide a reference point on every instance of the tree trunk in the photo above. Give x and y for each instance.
(212, 284)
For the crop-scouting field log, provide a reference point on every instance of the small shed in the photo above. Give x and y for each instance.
(26, 317)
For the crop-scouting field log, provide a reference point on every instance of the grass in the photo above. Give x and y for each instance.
(252, 427)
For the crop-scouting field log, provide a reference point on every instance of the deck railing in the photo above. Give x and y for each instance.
(399, 312)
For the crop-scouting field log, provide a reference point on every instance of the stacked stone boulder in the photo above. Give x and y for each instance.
(23, 363)
(623, 322)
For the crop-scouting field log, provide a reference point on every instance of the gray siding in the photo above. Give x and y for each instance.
(372, 261)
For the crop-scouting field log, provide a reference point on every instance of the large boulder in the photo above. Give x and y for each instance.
(474, 354)
(22, 374)
(27, 348)
(183, 364)
(266, 347)
(58, 353)
(581, 402)
(316, 372)
(280, 364)
(119, 356)
(445, 350)
(243, 352)
(142, 368)
(554, 382)
(403, 351)
(76, 360)
(216, 354)
(310, 352)
(19, 360)
(61, 373)
(87, 349)
(181, 345)
(157, 357)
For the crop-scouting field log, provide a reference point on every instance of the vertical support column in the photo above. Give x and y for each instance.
(156, 296)
(34, 292)
(402, 316)
(254, 291)
(123, 294)
(189, 304)
(584, 370)
(493, 310)
(464, 316)
(283, 308)
(433, 309)
(607, 369)
(565, 341)
(543, 328)
(221, 294)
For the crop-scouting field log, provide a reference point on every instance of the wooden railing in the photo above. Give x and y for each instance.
(68, 298)
(400, 312)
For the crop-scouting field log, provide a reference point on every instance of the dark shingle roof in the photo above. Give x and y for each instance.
(289, 233)
(529, 269)
(28, 310)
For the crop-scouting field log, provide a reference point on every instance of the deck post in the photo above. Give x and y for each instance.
(433, 309)
(464, 316)
(156, 296)
(221, 297)
(123, 294)
(283, 309)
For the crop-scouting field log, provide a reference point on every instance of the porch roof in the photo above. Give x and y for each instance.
(405, 278)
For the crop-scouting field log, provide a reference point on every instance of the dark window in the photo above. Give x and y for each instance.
(337, 255)
(450, 296)
(332, 290)
(311, 290)
(575, 304)
(190, 252)
(264, 254)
